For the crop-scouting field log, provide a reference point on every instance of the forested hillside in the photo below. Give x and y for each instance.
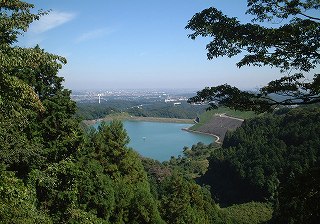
(54, 170)
(89, 110)
(262, 159)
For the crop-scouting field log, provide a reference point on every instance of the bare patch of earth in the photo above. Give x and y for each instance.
(219, 125)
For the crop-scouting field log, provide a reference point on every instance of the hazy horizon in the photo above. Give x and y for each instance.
(138, 44)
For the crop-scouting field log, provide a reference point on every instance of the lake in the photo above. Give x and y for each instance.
(160, 141)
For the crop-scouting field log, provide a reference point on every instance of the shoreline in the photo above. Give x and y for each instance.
(204, 133)
(135, 118)
(153, 119)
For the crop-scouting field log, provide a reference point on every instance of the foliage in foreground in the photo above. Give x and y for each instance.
(52, 171)
(290, 42)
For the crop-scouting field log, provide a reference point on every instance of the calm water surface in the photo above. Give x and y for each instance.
(160, 141)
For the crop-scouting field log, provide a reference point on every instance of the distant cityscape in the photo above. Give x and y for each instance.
(100, 96)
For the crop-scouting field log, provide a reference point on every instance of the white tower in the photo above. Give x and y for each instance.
(99, 95)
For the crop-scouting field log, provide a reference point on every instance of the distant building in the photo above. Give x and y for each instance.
(169, 100)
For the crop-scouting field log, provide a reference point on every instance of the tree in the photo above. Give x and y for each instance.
(19, 104)
(184, 201)
(18, 201)
(36, 112)
(299, 199)
(292, 46)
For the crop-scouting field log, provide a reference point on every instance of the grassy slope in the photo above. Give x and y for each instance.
(207, 116)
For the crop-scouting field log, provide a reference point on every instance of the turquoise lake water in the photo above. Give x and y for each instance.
(160, 141)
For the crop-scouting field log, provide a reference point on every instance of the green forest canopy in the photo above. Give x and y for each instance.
(53, 171)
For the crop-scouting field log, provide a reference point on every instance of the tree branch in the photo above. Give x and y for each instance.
(310, 17)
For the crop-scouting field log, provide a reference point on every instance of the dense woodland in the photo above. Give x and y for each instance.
(52, 170)
(264, 158)
(90, 111)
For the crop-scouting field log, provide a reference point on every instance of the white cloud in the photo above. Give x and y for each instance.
(93, 34)
(50, 21)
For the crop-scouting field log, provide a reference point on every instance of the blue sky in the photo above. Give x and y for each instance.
(112, 44)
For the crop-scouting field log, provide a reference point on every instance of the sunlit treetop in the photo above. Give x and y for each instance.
(26, 74)
(15, 17)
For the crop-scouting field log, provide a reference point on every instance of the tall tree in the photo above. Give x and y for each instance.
(36, 112)
(19, 103)
(292, 45)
